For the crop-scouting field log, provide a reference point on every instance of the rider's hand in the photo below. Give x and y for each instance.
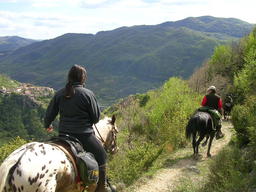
(49, 129)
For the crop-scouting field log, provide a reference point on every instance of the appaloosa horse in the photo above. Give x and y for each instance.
(42, 167)
(200, 125)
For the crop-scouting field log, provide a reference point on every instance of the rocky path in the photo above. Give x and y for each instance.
(186, 167)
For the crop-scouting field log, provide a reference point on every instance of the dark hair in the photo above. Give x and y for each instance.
(77, 74)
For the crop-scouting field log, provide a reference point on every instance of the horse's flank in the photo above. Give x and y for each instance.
(9, 163)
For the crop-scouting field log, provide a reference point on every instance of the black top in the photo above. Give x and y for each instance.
(77, 114)
(212, 101)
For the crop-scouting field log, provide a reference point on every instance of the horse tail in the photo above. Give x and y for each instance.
(191, 127)
(9, 163)
(4, 170)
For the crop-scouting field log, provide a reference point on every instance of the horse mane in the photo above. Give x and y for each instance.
(102, 124)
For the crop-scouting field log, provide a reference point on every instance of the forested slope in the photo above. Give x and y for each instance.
(126, 60)
(22, 108)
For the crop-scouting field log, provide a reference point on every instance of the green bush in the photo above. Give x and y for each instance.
(149, 122)
(168, 111)
(244, 121)
(232, 170)
(133, 162)
(9, 147)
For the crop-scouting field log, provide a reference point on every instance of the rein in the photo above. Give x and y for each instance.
(101, 138)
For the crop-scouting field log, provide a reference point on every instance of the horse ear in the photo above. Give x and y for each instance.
(113, 120)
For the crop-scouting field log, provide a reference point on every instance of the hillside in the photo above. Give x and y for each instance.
(22, 108)
(11, 43)
(126, 60)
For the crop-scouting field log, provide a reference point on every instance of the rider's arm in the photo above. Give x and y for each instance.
(204, 101)
(51, 112)
(220, 106)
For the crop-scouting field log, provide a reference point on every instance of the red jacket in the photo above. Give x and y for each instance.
(204, 102)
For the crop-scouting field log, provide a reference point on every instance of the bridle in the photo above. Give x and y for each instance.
(113, 145)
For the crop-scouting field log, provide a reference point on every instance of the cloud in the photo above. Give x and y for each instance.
(50, 18)
(72, 3)
(9, 1)
(32, 25)
(96, 3)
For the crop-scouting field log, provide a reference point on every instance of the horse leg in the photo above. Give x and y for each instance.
(210, 144)
(194, 143)
(228, 115)
(205, 143)
(201, 137)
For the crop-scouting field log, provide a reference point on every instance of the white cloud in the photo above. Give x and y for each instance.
(91, 16)
(93, 2)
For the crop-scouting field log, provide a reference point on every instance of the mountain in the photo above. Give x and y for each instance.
(126, 60)
(224, 26)
(11, 43)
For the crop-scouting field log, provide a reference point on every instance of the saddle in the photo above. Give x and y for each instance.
(84, 162)
(215, 114)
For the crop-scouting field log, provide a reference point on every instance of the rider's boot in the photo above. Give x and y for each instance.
(102, 183)
(219, 133)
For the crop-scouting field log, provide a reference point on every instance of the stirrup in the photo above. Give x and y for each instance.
(110, 187)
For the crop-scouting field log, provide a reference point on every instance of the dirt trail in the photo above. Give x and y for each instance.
(167, 179)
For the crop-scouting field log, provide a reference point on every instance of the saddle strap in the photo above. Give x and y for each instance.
(72, 159)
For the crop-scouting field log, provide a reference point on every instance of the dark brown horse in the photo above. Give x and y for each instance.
(227, 107)
(200, 126)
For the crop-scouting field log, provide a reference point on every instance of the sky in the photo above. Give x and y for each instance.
(47, 19)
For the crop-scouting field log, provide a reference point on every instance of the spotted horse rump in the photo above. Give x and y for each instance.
(43, 167)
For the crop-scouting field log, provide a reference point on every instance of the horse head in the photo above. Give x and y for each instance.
(106, 131)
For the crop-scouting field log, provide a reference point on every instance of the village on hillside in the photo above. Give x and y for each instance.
(34, 93)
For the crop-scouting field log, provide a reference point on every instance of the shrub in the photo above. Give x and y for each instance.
(149, 122)
(8, 148)
(134, 162)
(244, 121)
(229, 172)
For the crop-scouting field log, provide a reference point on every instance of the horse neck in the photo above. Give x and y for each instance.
(102, 129)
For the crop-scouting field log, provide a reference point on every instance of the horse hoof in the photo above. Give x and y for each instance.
(197, 156)
(204, 144)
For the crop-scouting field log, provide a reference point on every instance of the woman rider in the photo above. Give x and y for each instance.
(78, 111)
